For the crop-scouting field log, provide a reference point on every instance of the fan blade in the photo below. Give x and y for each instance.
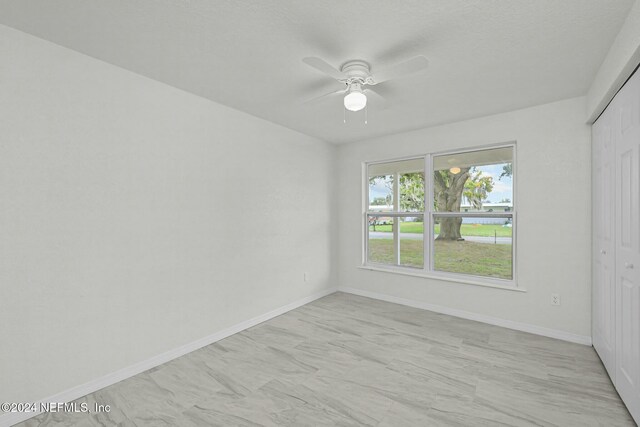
(321, 97)
(377, 98)
(322, 66)
(402, 69)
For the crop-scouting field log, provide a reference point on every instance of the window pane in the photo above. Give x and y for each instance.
(381, 193)
(380, 247)
(412, 241)
(476, 246)
(410, 174)
(475, 181)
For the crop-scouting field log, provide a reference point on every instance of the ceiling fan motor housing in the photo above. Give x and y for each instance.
(357, 71)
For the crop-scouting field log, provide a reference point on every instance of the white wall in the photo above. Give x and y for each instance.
(553, 206)
(135, 217)
(623, 57)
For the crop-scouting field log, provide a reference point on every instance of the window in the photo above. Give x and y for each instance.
(395, 213)
(466, 204)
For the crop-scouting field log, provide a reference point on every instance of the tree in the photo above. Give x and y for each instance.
(477, 188)
(412, 192)
(449, 189)
(507, 171)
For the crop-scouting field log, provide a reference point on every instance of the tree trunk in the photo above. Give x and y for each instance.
(450, 229)
(449, 189)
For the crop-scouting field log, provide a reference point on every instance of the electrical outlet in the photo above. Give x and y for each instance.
(555, 299)
(306, 276)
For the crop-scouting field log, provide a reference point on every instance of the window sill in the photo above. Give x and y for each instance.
(446, 278)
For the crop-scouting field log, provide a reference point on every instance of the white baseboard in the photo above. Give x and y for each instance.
(72, 394)
(525, 327)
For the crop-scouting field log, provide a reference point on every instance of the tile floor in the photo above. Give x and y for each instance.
(346, 360)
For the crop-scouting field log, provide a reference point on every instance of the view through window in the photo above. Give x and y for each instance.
(469, 212)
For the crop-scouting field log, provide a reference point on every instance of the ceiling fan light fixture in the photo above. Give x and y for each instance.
(355, 99)
(455, 170)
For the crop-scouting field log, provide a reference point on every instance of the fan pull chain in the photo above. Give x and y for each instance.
(365, 114)
(344, 115)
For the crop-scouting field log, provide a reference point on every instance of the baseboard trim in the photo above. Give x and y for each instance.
(74, 393)
(524, 327)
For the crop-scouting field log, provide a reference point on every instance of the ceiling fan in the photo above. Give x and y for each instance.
(358, 78)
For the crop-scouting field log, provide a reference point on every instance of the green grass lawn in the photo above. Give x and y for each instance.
(479, 259)
(405, 227)
(411, 251)
(485, 230)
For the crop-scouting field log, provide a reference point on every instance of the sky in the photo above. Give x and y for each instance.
(502, 188)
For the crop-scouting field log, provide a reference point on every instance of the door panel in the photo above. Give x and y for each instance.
(625, 167)
(627, 244)
(630, 332)
(603, 328)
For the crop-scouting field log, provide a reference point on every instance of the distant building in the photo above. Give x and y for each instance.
(487, 207)
(464, 208)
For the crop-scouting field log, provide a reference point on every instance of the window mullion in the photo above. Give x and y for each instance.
(428, 220)
(366, 203)
(396, 220)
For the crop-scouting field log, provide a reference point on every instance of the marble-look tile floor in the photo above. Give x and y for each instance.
(346, 360)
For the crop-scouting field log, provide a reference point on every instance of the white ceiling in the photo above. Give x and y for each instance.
(486, 56)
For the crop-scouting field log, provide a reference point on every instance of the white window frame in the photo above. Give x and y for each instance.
(429, 216)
